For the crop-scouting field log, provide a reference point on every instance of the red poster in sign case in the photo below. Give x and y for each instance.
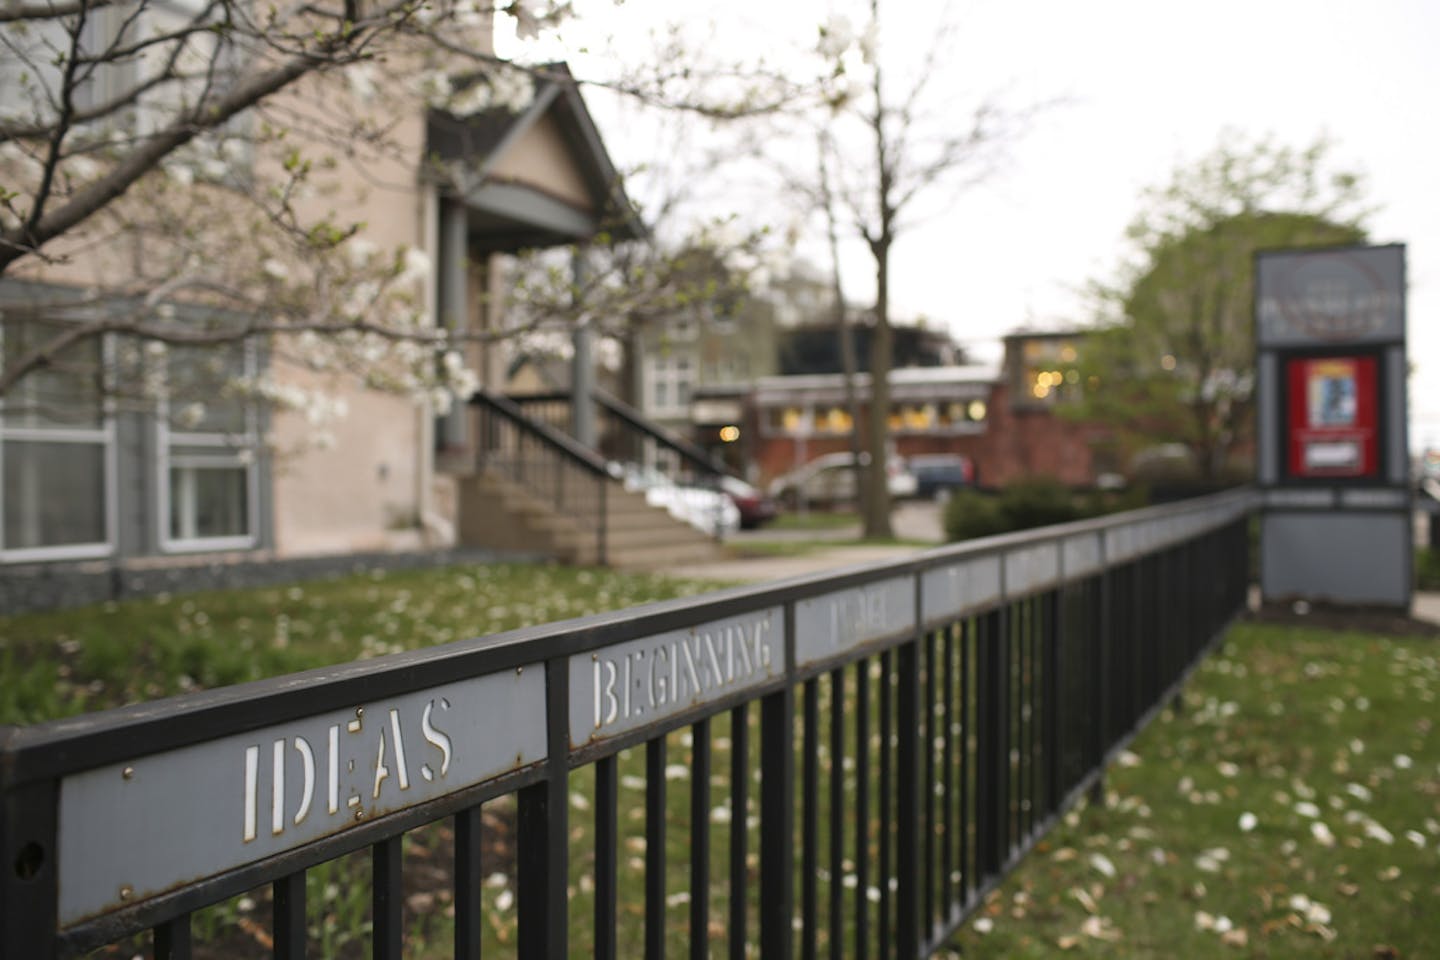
(1332, 407)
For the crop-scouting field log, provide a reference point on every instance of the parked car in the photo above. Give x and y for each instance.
(829, 480)
(755, 507)
(937, 475)
(709, 511)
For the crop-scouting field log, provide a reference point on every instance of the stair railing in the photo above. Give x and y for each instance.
(623, 433)
(547, 463)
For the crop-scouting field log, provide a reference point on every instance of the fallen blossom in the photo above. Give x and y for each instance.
(1248, 821)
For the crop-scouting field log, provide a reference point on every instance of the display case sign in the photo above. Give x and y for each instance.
(1333, 401)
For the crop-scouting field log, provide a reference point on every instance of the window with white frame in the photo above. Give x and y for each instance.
(57, 450)
(207, 443)
(669, 380)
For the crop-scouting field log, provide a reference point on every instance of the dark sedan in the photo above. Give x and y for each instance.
(754, 506)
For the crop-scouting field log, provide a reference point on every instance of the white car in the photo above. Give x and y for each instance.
(830, 479)
(709, 511)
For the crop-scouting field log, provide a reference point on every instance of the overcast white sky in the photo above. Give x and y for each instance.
(1146, 85)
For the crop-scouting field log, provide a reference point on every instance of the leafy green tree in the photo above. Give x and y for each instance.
(1174, 358)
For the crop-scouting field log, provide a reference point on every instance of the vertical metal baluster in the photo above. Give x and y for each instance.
(947, 779)
(911, 866)
(927, 793)
(287, 911)
(886, 945)
(862, 808)
(543, 832)
(655, 849)
(739, 935)
(607, 855)
(777, 821)
(809, 819)
(469, 880)
(387, 899)
(967, 870)
(700, 842)
(172, 938)
(836, 825)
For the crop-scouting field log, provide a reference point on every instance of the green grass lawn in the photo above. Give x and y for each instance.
(74, 661)
(1289, 808)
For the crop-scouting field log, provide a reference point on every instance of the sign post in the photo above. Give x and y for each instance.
(1332, 458)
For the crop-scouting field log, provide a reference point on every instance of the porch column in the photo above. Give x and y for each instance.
(582, 365)
(450, 430)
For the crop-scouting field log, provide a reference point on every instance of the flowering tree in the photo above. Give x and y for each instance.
(179, 159)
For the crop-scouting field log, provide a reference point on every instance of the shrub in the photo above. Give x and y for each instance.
(1027, 503)
(970, 514)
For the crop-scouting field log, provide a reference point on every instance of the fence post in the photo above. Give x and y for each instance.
(28, 850)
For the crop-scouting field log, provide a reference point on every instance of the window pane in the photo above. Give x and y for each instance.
(208, 502)
(202, 395)
(54, 494)
(65, 393)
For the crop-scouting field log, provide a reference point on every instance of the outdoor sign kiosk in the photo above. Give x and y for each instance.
(1332, 458)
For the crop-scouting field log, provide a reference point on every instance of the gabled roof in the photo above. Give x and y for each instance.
(509, 212)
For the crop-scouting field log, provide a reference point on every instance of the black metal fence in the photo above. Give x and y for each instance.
(843, 764)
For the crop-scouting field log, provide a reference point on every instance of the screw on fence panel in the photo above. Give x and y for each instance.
(288, 913)
(607, 858)
(739, 829)
(655, 848)
(777, 810)
(469, 877)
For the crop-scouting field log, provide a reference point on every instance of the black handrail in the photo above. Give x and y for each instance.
(632, 420)
(539, 457)
(691, 454)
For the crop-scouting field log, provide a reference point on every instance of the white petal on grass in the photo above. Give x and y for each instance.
(677, 771)
(1128, 759)
(504, 900)
(1102, 864)
(579, 801)
(1227, 769)
(1223, 924)
(1416, 837)
(1204, 921)
(1358, 792)
(720, 814)
(1248, 821)
(496, 880)
(1374, 831)
(678, 899)
(1307, 809)
(1322, 833)
(1299, 902)
(982, 925)
(1318, 913)
(1403, 762)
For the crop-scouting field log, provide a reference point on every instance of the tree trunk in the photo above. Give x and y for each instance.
(876, 514)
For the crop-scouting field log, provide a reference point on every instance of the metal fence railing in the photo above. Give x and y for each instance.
(844, 763)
